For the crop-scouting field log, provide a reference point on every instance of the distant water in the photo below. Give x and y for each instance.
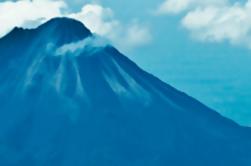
(223, 82)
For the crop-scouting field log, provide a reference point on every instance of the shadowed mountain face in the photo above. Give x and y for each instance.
(67, 100)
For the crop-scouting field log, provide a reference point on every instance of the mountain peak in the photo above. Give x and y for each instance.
(64, 30)
(59, 30)
(65, 23)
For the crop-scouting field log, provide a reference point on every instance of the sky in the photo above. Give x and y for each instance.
(200, 47)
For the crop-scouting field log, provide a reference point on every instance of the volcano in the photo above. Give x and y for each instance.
(68, 99)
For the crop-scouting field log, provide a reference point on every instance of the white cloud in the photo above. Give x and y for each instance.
(76, 47)
(19, 13)
(98, 19)
(102, 21)
(232, 23)
(218, 23)
(136, 35)
(177, 6)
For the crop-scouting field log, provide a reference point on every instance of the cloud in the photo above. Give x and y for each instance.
(136, 35)
(231, 23)
(100, 20)
(177, 6)
(219, 22)
(76, 48)
(23, 12)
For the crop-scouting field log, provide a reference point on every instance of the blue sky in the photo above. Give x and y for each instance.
(200, 47)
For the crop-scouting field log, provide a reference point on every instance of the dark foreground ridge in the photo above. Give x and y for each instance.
(65, 101)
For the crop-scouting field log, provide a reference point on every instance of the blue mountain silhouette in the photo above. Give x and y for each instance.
(67, 101)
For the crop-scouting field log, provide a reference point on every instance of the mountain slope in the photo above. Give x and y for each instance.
(66, 99)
